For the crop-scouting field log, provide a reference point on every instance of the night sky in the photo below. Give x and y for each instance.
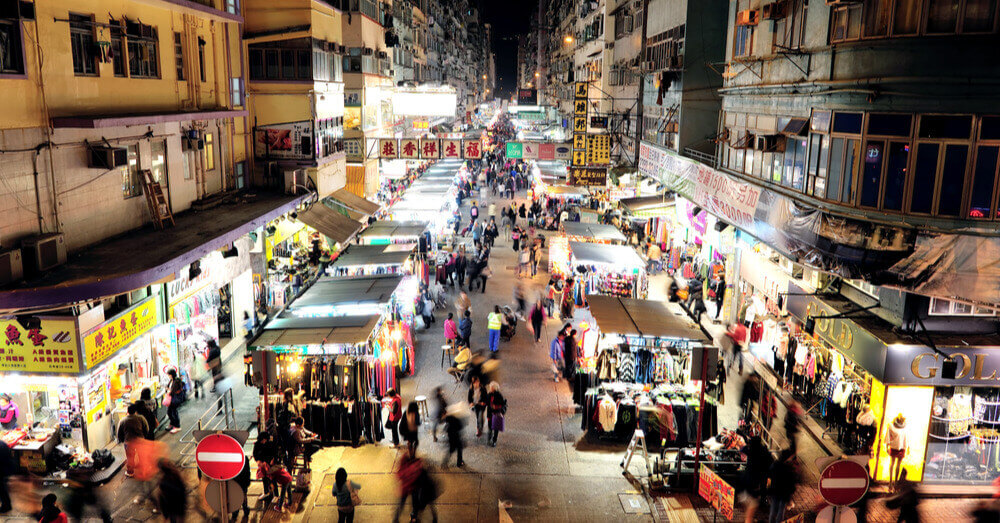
(509, 19)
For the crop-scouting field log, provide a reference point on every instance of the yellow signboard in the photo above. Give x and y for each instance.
(599, 149)
(579, 158)
(579, 141)
(581, 90)
(580, 124)
(580, 107)
(51, 346)
(116, 333)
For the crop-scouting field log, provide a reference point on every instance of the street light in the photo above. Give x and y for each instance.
(484, 77)
(536, 74)
(568, 39)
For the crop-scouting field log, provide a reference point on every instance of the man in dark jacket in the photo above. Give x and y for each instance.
(465, 328)
(461, 265)
(782, 480)
(6, 471)
(131, 427)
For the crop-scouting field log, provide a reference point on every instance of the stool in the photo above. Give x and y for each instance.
(638, 441)
(422, 406)
(449, 350)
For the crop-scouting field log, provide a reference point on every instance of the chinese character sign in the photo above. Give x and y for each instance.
(451, 148)
(52, 345)
(713, 489)
(473, 150)
(581, 90)
(118, 332)
(387, 148)
(430, 148)
(409, 148)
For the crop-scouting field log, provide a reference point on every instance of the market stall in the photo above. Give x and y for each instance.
(614, 270)
(636, 357)
(368, 260)
(592, 233)
(386, 232)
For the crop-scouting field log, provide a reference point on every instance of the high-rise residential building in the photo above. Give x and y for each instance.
(296, 82)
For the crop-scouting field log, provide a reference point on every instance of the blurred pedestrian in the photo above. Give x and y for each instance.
(477, 400)
(454, 424)
(132, 426)
(440, 406)
(214, 357)
(83, 493)
(174, 399)
(753, 482)
(410, 426)
(519, 297)
(51, 513)
(425, 493)
(535, 318)
(782, 480)
(556, 355)
(570, 355)
(394, 404)
(243, 480)
(346, 493)
(906, 499)
(172, 496)
(496, 406)
(7, 469)
(984, 512)
(408, 473)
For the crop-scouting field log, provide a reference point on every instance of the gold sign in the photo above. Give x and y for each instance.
(579, 158)
(599, 149)
(579, 141)
(581, 90)
(50, 347)
(588, 175)
(580, 107)
(117, 333)
(580, 124)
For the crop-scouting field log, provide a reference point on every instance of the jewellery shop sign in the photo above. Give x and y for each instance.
(921, 365)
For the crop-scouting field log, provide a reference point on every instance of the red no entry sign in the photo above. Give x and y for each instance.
(843, 483)
(219, 457)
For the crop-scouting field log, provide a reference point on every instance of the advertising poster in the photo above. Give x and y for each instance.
(292, 140)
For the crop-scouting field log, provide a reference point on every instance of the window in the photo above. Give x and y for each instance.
(877, 16)
(179, 55)
(795, 161)
(984, 177)
(843, 169)
(789, 31)
(208, 153)
(240, 172)
(158, 162)
(846, 23)
(871, 173)
(980, 16)
(236, 91)
(81, 37)
(819, 153)
(953, 179)
(143, 51)
(895, 176)
(118, 49)
(942, 16)
(233, 7)
(743, 41)
(11, 53)
(131, 183)
(201, 59)
(943, 307)
(924, 173)
(848, 123)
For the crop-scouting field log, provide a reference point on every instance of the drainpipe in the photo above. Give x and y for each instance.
(639, 119)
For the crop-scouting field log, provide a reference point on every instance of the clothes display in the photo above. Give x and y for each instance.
(668, 414)
(963, 442)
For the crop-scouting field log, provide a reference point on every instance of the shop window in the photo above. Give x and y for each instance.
(871, 174)
(179, 55)
(984, 181)
(201, 59)
(131, 182)
(117, 49)
(81, 37)
(208, 153)
(953, 179)
(957, 127)
(924, 170)
(961, 437)
(906, 19)
(877, 16)
(889, 124)
(789, 31)
(158, 162)
(895, 176)
(11, 45)
(143, 56)
(847, 123)
(846, 22)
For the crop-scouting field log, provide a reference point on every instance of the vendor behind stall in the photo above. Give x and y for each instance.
(8, 413)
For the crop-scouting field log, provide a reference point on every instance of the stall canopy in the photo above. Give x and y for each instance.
(356, 255)
(285, 331)
(357, 290)
(394, 229)
(567, 190)
(632, 317)
(645, 203)
(593, 231)
(604, 254)
(330, 222)
(355, 202)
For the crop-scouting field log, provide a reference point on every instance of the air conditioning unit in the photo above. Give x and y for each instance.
(295, 182)
(11, 269)
(108, 157)
(775, 10)
(45, 252)
(748, 17)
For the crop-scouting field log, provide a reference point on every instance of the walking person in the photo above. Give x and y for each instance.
(265, 453)
(346, 494)
(7, 469)
(440, 406)
(131, 427)
(145, 408)
(782, 480)
(477, 400)
(175, 393)
(453, 425)
(465, 329)
(393, 404)
(84, 493)
(408, 472)
(556, 355)
(496, 406)
(535, 318)
(519, 297)
(474, 213)
(172, 494)
(569, 355)
(753, 482)
(906, 499)
(493, 324)
(51, 513)
(214, 358)
(462, 304)
(720, 294)
(410, 427)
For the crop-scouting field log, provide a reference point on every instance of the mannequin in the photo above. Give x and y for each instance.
(896, 445)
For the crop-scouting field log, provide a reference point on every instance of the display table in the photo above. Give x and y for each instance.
(32, 454)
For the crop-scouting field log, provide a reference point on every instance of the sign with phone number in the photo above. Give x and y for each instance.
(718, 493)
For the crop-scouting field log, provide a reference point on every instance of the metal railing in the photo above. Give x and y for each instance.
(706, 158)
(221, 415)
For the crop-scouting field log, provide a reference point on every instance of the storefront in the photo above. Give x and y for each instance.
(635, 364)
(613, 270)
(654, 214)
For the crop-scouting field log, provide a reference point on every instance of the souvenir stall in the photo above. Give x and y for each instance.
(373, 260)
(614, 270)
(592, 233)
(635, 370)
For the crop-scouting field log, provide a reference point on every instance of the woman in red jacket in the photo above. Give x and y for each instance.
(395, 406)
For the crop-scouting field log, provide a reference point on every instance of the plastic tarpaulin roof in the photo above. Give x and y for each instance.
(633, 317)
(641, 203)
(392, 254)
(355, 202)
(952, 265)
(567, 190)
(593, 231)
(330, 222)
(604, 254)
(394, 229)
(341, 291)
(284, 332)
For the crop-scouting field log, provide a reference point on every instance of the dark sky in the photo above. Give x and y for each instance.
(509, 19)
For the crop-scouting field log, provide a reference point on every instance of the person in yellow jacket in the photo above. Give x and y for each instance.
(493, 322)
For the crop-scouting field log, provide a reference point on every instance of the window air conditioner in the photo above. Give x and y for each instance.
(775, 10)
(11, 269)
(45, 252)
(108, 157)
(748, 17)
